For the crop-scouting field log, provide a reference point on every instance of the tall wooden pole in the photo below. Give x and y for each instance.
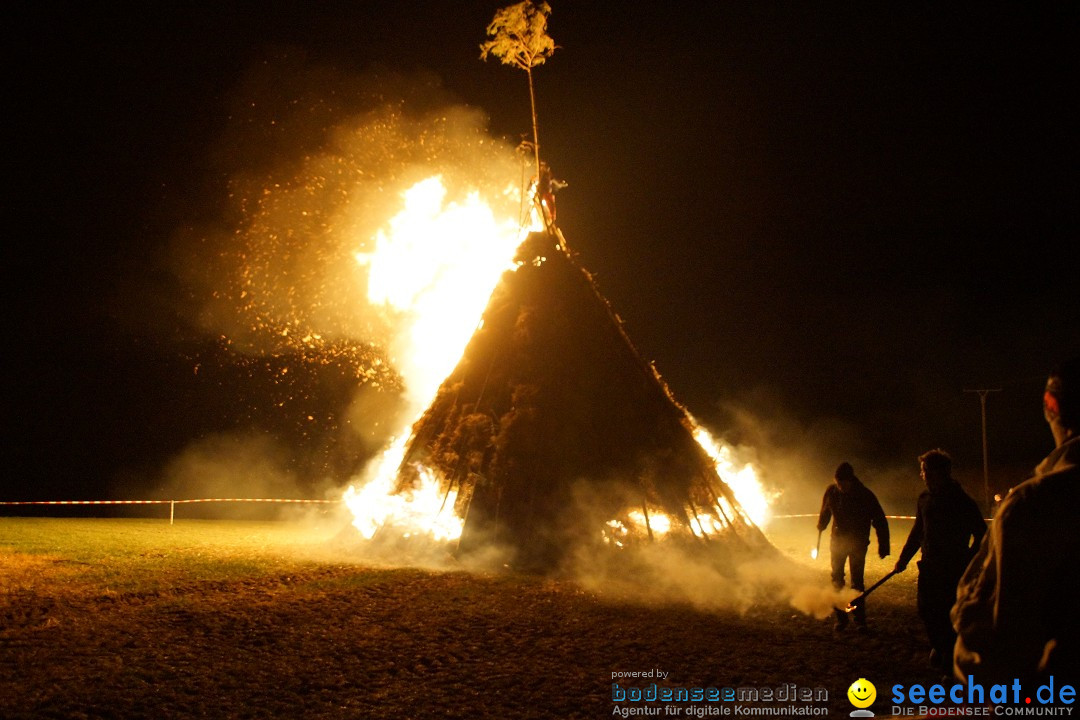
(983, 392)
(536, 132)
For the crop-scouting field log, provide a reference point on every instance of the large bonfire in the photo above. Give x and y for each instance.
(543, 431)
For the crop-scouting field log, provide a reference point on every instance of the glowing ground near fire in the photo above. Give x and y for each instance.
(267, 619)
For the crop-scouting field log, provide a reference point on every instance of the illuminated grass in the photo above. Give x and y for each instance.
(146, 555)
(137, 618)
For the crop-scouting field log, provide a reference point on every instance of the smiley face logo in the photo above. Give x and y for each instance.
(862, 693)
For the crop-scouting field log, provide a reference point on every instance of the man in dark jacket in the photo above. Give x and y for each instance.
(948, 528)
(1016, 613)
(853, 508)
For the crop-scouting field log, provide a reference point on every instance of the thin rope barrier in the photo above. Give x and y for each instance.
(171, 503)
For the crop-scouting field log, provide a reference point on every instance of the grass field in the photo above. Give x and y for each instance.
(143, 619)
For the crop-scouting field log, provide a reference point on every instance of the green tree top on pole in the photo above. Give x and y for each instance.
(519, 37)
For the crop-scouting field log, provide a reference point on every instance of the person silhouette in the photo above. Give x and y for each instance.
(852, 508)
(1015, 613)
(948, 529)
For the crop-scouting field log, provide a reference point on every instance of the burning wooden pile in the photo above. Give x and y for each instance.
(552, 433)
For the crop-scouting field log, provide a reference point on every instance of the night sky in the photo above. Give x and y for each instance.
(823, 222)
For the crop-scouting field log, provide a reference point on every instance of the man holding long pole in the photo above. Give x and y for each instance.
(852, 508)
(948, 529)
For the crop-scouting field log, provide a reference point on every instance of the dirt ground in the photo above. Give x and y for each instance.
(349, 641)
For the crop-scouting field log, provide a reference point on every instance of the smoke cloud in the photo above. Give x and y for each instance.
(316, 161)
(237, 465)
(721, 577)
(319, 162)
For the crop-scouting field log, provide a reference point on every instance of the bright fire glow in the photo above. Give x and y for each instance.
(741, 478)
(706, 524)
(618, 533)
(813, 554)
(423, 509)
(435, 264)
(658, 522)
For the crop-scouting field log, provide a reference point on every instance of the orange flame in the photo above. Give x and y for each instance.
(742, 478)
(435, 264)
(422, 510)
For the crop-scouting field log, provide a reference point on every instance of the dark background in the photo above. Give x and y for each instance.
(824, 222)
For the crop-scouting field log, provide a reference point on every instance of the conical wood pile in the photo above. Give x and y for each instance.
(552, 426)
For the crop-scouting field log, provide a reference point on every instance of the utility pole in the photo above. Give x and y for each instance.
(983, 392)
